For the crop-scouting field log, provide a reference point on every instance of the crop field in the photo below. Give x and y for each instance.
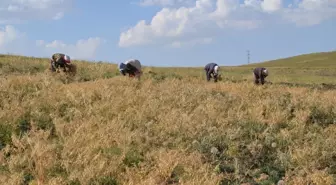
(171, 127)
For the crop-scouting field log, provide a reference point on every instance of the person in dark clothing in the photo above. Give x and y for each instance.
(127, 69)
(59, 60)
(130, 67)
(211, 69)
(260, 73)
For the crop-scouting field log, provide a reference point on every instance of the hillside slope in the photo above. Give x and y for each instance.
(321, 60)
(306, 69)
(314, 68)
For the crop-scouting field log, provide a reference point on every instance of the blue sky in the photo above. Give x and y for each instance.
(168, 32)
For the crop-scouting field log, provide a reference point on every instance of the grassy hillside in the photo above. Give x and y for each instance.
(302, 70)
(313, 60)
(172, 127)
(315, 68)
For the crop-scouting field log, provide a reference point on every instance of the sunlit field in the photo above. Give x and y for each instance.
(171, 127)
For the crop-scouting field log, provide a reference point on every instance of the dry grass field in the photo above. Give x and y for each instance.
(171, 127)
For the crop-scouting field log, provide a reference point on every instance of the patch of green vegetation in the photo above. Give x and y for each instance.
(316, 60)
(84, 75)
(176, 174)
(321, 116)
(23, 124)
(4, 169)
(175, 76)
(158, 77)
(108, 74)
(251, 148)
(105, 180)
(44, 122)
(27, 178)
(224, 168)
(74, 182)
(57, 170)
(5, 135)
(63, 111)
(227, 181)
(133, 157)
(111, 151)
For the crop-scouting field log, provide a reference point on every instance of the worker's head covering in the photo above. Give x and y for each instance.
(135, 63)
(121, 66)
(265, 72)
(216, 69)
(67, 58)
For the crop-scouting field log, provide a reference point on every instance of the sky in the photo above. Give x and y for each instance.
(168, 32)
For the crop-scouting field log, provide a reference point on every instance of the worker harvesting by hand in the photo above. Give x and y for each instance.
(59, 60)
(131, 67)
(212, 69)
(260, 73)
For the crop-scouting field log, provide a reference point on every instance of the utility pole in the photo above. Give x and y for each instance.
(248, 56)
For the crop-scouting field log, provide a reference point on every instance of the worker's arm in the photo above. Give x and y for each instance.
(261, 76)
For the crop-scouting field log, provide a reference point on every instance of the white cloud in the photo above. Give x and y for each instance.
(16, 42)
(180, 44)
(13, 41)
(14, 8)
(271, 5)
(13, 11)
(174, 24)
(310, 12)
(225, 7)
(58, 16)
(9, 34)
(40, 42)
(83, 49)
(166, 23)
(254, 4)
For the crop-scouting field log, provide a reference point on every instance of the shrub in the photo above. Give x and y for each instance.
(44, 122)
(321, 116)
(23, 126)
(27, 178)
(175, 174)
(132, 158)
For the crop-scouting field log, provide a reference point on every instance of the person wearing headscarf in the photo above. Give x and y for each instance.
(131, 67)
(211, 69)
(260, 73)
(59, 60)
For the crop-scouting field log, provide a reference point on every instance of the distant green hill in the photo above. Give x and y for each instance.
(314, 60)
(314, 68)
